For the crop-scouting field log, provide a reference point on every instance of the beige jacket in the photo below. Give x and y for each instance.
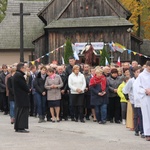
(53, 94)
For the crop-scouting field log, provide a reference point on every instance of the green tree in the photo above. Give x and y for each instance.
(68, 51)
(103, 57)
(3, 6)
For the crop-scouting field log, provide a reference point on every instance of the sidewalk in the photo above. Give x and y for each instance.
(68, 135)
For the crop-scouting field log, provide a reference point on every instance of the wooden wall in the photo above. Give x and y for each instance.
(41, 49)
(82, 8)
(58, 37)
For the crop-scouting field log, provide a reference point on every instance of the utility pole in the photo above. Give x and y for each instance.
(21, 14)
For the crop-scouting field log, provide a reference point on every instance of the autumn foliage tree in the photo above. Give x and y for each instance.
(135, 7)
(145, 19)
(139, 8)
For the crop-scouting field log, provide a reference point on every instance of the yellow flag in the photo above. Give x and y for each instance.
(32, 62)
(134, 53)
(100, 52)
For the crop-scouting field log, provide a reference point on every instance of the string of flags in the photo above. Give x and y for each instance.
(120, 48)
(113, 47)
(47, 54)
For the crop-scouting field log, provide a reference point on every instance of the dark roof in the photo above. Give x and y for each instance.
(103, 21)
(10, 26)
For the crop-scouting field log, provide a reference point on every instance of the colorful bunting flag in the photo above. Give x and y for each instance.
(100, 52)
(111, 45)
(118, 62)
(38, 60)
(129, 51)
(134, 53)
(106, 62)
(47, 54)
(120, 48)
(62, 59)
(32, 62)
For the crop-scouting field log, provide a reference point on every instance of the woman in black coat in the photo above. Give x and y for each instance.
(40, 93)
(99, 99)
(21, 91)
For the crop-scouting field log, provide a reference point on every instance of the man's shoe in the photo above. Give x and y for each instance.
(76, 120)
(72, 119)
(65, 118)
(142, 135)
(136, 134)
(87, 118)
(82, 121)
(117, 121)
(5, 113)
(22, 131)
(111, 121)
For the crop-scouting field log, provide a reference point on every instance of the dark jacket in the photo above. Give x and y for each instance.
(2, 82)
(39, 83)
(10, 89)
(64, 80)
(20, 89)
(87, 85)
(30, 83)
(95, 98)
(113, 84)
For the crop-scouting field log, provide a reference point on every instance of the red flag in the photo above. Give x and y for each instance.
(38, 60)
(118, 62)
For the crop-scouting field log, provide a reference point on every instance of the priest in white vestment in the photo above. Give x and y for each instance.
(142, 92)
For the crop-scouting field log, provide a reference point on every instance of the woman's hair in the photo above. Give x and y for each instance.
(98, 70)
(75, 67)
(13, 70)
(114, 70)
(148, 63)
(136, 68)
(50, 70)
(125, 69)
(125, 79)
(43, 67)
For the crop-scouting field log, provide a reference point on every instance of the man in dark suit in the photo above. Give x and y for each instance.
(21, 91)
(33, 103)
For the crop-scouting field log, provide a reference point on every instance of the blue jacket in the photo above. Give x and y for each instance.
(97, 99)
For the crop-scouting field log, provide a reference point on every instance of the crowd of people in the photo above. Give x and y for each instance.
(77, 92)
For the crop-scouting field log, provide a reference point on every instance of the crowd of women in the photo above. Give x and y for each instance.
(79, 92)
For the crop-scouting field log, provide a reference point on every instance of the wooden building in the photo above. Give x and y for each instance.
(84, 20)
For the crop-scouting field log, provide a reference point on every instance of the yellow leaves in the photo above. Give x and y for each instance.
(135, 8)
(142, 8)
(145, 19)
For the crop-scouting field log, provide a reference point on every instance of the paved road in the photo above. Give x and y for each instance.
(68, 135)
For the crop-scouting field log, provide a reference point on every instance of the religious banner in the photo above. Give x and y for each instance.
(96, 45)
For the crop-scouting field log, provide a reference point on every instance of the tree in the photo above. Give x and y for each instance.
(68, 51)
(103, 57)
(3, 5)
(145, 19)
(136, 8)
